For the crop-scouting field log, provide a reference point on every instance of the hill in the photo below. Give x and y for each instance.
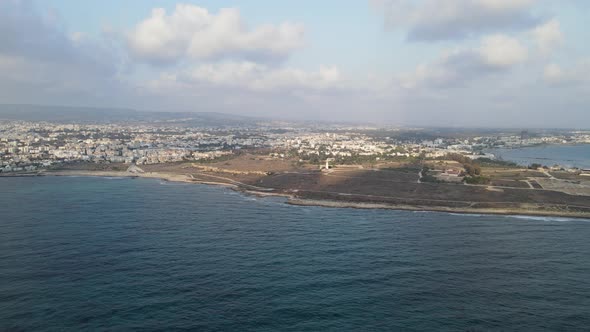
(67, 114)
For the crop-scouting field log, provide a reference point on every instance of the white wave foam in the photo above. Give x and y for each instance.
(469, 214)
(548, 219)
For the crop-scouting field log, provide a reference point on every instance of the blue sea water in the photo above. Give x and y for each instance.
(123, 254)
(548, 155)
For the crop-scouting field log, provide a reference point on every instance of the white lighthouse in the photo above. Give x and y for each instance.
(327, 166)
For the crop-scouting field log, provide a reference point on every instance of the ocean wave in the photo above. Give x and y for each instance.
(468, 214)
(549, 219)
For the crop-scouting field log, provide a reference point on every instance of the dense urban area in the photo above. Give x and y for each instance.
(28, 146)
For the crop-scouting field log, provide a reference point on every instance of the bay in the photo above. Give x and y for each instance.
(548, 155)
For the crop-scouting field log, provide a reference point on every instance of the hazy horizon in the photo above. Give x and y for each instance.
(452, 63)
(72, 114)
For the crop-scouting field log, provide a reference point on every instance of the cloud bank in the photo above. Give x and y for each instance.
(192, 32)
(480, 63)
(431, 20)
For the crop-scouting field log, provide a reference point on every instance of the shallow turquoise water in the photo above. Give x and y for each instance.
(121, 254)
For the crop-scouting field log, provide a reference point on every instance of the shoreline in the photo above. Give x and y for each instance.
(442, 209)
(298, 201)
(537, 146)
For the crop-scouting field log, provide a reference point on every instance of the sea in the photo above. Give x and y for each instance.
(116, 254)
(548, 155)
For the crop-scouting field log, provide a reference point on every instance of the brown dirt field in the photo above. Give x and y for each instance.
(397, 186)
(251, 162)
(510, 174)
(569, 176)
(377, 185)
(85, 166)
(177, 168)
(509, 183)
(443, 164)
(391, 164)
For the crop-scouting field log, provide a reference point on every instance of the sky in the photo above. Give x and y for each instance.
(458, 63)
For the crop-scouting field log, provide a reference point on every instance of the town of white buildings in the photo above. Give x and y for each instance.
(29, 146)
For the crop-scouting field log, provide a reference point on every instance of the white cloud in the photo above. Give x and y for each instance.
(500, 5)
(260, 77)
(495, 54)
(548, 36)
(502, 51)
(578, 73)
(193, 32)
(220, 66)
(553, 73)
(456, 19)
(39, 58)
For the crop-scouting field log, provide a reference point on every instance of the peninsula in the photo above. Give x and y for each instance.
(331, 165)
(430, 186)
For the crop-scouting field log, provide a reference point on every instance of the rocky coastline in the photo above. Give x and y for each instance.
(300, 199)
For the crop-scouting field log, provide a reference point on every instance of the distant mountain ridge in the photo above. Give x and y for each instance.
(72, 114)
